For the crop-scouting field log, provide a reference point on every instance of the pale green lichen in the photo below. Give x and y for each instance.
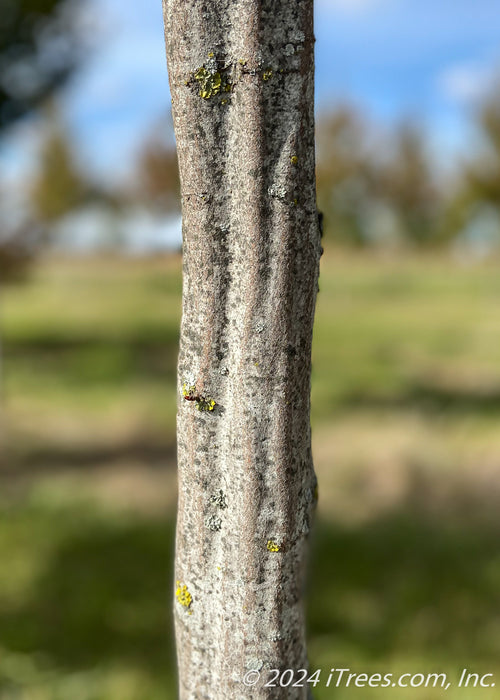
(213, 522)
(297, 37)
(272, 546)
(280, 192)
(183, 596)
(254, 664)
(219, 499)
(277, 191)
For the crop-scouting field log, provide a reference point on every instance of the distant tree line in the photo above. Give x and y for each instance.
(390, 191)
(385, 191)
(60, 186)
(373, 190)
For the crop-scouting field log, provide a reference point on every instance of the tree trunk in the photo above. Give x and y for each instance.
(241, 78)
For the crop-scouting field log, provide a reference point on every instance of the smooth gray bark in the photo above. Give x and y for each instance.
(241, 78)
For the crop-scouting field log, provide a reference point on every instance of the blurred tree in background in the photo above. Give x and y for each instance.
(405, 183)
(483, 175)
(382, 189)
(37, 53)
(472, 215)
(158, 176)
(375, 191)
(342, 172)
(39, 50)
(59, 187)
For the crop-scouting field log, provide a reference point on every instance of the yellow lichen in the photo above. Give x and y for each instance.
(183, 596)
(210, 82)
(272, 546)
(188, 390)
(294, 160)
(267, 75)
(204, 404)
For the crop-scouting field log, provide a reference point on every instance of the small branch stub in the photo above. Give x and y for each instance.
(201, 402)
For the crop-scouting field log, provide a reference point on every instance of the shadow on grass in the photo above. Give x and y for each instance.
(51, 459)
(94, 359)
(408, 583)
(403, 583)
(103, 597)
(428, 398)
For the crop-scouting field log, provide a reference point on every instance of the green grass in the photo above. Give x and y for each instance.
(405, 571)
(97, 342)
(406, 333)
(83, 609)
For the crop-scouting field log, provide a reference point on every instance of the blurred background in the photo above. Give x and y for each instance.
(405, 571)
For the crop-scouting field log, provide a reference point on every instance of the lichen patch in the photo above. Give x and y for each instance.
(219, 499)
(209, 83)
(183, 596)
(211, 78)
(272, 546)
(214, 523)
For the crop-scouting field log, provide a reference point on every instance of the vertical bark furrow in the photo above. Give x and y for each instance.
(241, 76)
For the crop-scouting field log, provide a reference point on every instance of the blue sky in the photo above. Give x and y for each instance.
(432, 59)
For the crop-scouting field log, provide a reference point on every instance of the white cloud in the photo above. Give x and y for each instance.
(467, 82)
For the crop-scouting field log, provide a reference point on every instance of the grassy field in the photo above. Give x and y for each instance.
(405, 571)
